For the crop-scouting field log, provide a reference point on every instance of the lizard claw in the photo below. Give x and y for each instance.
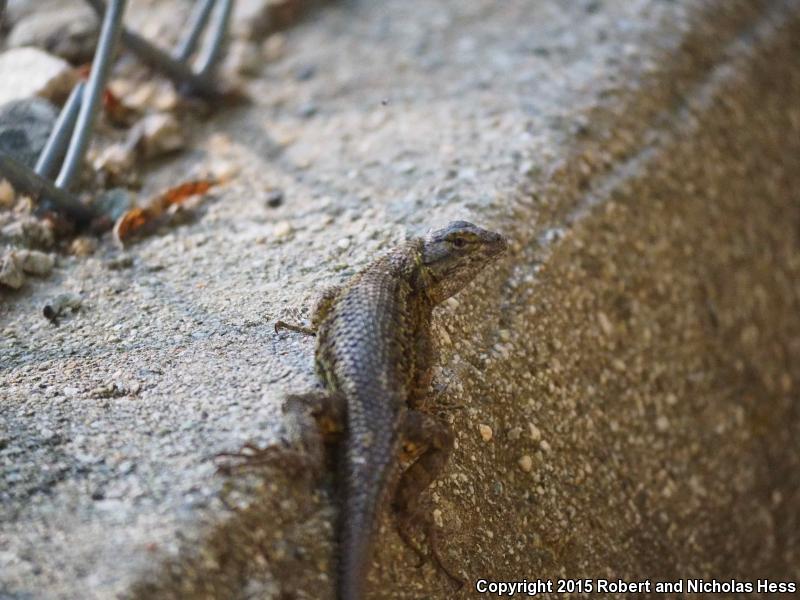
(296, 328)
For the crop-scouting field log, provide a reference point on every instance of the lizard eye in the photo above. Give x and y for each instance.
(459, 242)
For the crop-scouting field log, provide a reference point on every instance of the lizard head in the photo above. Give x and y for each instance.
(452, 256)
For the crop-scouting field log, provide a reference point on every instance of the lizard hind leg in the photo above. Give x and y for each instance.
(313, 421)
(431, 442)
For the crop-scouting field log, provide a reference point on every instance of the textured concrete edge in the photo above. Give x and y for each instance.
(662, 108)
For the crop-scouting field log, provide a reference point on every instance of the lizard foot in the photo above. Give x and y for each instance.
(407, 522)
(296, 328)
(433, 544)
(252, 457)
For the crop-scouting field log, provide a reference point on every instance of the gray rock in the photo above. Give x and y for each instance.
(27, 72)
(24, 128)
(11, 273)
(70, 33)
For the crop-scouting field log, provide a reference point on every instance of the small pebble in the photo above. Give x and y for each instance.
(35, 262)
(283, 229)
(60, 305)
(11, 271)
(121, 262)
(274, 198)
(605, 323)
(437, 517)
(536, 435)
(83, 246)
(157, 134)
(223, 170)
(526, 463)
(6, 194)
(274, 47)
(486, 432)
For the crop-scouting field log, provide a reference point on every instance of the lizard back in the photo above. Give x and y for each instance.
(365, 354)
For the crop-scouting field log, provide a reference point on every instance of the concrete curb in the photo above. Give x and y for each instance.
(633, 358)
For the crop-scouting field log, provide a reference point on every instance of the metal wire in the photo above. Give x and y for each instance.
(198, 21)
(56, 147)
(208, 58)
(26, 181)
(101, 66)
(177, 70)
(76, 119)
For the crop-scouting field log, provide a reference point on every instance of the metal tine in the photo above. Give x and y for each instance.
(27, 182)
(56, 146)
(178, 71)
(208, 58)
(198, 21)
(101, 66)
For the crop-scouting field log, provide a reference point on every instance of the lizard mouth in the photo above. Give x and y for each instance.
(496, 245)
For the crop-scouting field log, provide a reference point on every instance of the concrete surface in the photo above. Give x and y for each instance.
(635, 357)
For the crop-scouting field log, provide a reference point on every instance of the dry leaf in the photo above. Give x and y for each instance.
(138, 218)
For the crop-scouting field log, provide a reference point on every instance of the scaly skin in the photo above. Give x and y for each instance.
(374, 352)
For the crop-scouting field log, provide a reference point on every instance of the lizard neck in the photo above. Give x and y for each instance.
(423, 282)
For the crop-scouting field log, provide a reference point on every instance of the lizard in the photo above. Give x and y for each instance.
(375, 357)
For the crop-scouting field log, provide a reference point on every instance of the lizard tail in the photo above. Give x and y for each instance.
(365, 485)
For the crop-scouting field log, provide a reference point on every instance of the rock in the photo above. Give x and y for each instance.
(35, 262)
(274, 198)
(16, 263)
(486, 432)
(16, 10)
(7, 195)
(28, 232)
(24, 128)
(27, 72)
(223, 170)
(83, 246)
(61, 304)
(282, 230)
(274, 47)
(68, 32)
(145, 96)
(526, 463)
(115, 160)
(124, 261)
(114, 203)
(156, 135)
(11, 273)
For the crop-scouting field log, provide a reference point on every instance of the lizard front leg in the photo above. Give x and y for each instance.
(322, 307)
(431, 442)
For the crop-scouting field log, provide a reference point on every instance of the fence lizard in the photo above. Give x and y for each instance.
(375, 356)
